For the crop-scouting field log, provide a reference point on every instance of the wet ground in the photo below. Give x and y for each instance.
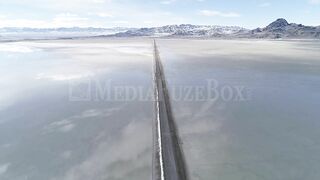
(253, 109)
(57, 120)
(81, 109)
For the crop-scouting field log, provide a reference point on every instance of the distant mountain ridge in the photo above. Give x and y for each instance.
(282, 29)
(184, 30)
(62, 29)
(16, 34)
(277, 29)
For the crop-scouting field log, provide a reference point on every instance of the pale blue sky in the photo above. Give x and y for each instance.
(146, 13)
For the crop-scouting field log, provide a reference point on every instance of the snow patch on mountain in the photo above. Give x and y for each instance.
(184, 30)
(281, 29)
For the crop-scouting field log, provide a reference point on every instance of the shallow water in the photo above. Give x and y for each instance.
(244, 109)
(55, 123)
(268, 128)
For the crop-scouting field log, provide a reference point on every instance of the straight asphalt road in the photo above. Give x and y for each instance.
(168, 161)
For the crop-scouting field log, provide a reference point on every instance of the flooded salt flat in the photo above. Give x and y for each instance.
(268, 132)
(51, 126)
(58, 122)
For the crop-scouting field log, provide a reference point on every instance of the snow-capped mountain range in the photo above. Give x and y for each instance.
(14, 33)
(184, 30)
(282, 29)
(63, 29)
(277, 29)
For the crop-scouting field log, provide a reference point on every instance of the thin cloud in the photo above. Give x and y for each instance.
(167, 2)
(211, 13)
(121, 22)
(65, 19)
(59, 20)
(314, 1)
(101, 14)
(266, 4)
(4, 168)
(99, 1)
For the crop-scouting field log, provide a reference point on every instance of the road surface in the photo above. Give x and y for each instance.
(168, 161)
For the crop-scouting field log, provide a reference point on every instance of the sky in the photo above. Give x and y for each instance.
(149, 13)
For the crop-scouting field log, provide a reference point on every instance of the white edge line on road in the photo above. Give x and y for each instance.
(158, 115)
(159, 137)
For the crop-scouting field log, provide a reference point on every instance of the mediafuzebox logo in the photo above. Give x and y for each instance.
(211, 90)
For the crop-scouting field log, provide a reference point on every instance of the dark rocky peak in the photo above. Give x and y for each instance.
(278, 24)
